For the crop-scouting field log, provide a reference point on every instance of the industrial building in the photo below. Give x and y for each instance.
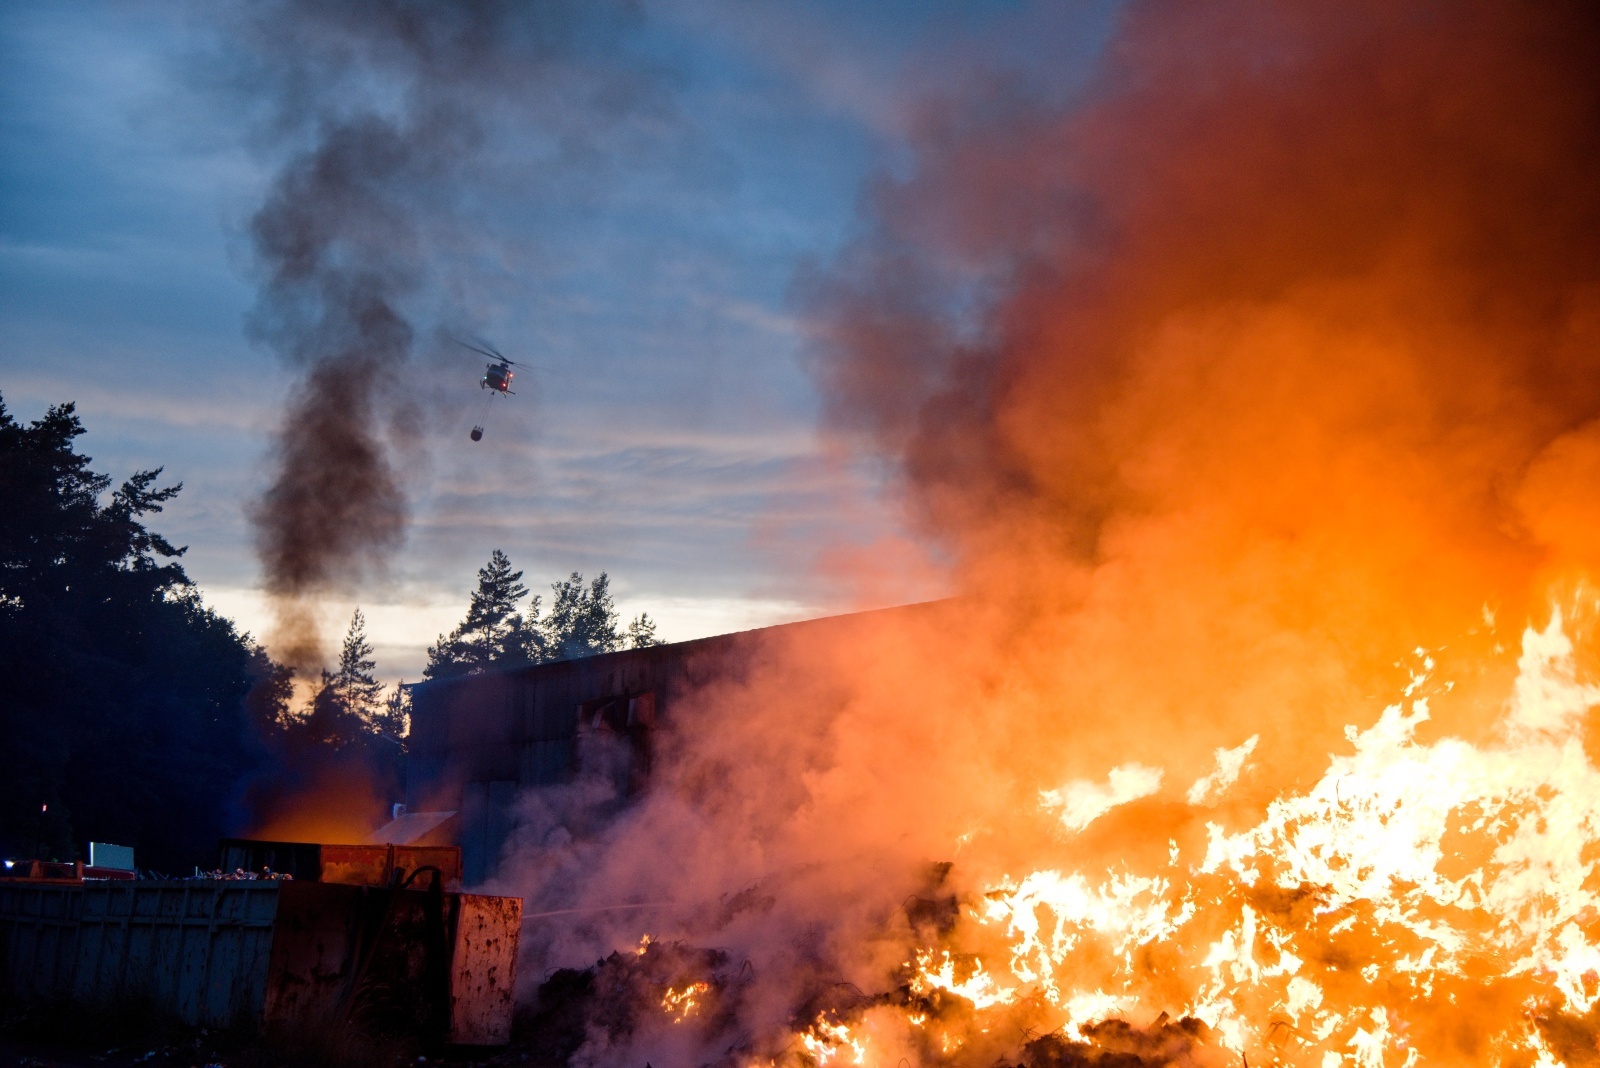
(478, 741)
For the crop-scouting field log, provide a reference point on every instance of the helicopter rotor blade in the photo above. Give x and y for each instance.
(488, 350)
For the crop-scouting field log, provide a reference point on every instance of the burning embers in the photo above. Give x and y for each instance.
(1426, 901)
(681, 1002)
(689, 997)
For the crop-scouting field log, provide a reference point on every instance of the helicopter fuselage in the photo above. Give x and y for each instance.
(497, 377)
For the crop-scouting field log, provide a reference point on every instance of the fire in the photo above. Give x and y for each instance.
(1414, 882)
(834, 1043)
(977, 987)
(681, 1002)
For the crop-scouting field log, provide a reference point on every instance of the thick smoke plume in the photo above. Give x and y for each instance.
(1281, 351)
(384, 108)
(1272, 358)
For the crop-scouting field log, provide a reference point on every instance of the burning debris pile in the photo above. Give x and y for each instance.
(659, 986)
(1412, 876)
(1425, 899)
(682, 1001)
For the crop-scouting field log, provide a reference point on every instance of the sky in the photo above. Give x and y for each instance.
(640, 260)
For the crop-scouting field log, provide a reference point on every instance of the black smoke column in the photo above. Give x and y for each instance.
(382, 106)
(338, 263)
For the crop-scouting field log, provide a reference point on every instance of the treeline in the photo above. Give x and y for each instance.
(498, 634)
(349, 705)
(132, 713)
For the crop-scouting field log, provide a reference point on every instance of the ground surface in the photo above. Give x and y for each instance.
(93, 1043)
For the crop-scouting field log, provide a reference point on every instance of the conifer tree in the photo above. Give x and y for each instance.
(642, 632)
(346, 703)
(393, 718)
(582, 622)
(494, 634)
(360, 692)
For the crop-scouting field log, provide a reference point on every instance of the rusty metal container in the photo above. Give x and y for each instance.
(196, 949)
(375, 865)
(483, 968)
(219, 952)
(298, 860)
(355, 865)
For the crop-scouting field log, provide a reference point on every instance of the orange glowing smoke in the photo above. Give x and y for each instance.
(1255, 396)
(325, 803)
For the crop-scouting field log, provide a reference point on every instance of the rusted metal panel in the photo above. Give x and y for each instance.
(312, 963)
(483, 968)
(416, 960)
(376, 865)
(446, 858)
(358, 952)
(356, 865)
(403, 975)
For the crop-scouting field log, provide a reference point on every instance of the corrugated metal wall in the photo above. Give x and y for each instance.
(198, 950)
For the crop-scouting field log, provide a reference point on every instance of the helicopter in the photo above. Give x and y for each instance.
(496, 378)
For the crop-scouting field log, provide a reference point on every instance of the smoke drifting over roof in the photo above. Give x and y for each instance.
(384, 108)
